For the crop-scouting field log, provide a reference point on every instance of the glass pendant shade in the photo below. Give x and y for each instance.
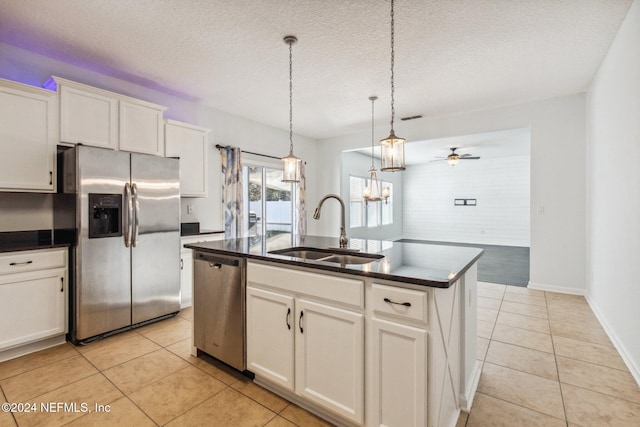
(291, 164)
(291, 168)
(372, 192)
(392, 154)
(392, 147)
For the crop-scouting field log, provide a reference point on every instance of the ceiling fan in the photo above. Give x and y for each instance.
(454, 157)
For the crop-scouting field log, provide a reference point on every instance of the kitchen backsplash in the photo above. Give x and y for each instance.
(26, 211)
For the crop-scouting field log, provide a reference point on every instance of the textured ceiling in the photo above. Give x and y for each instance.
(451, 55)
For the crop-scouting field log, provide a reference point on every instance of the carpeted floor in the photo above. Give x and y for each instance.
(499, 264)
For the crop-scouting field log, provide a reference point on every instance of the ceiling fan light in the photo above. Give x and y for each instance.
(392, 153)
(453, 159)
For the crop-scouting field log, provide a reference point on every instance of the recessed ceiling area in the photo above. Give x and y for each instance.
(503, 143)
(451, 56)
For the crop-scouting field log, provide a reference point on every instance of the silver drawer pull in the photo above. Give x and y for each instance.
(21, 263)
(406, 304)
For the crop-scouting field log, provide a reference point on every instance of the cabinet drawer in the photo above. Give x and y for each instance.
(331, 288)
(18, 262)
(400, 302)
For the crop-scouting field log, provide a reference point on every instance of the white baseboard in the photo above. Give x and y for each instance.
(25, 349)
(635, 370)
(466, 399)
(554, 288)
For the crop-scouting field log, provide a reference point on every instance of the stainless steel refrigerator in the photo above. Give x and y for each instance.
(123, 211)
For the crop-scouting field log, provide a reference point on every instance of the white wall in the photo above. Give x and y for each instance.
(558, 162)
(32, 68)
(614, 181)
(25, 211)
(358, 164)
(499, 185)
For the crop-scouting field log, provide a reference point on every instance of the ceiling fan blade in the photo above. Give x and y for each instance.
(469, 157)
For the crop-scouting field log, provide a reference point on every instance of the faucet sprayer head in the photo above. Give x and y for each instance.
(316, 214)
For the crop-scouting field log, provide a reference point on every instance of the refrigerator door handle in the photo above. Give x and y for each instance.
(127, 215)
(136, 214)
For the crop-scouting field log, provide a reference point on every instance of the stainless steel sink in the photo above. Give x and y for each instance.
(352, 259)
(338, 256)
(303, 253)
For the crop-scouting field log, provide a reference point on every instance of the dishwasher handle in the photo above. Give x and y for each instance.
(217, 261)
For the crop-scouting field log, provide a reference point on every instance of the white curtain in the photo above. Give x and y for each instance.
(232, 202)
(300, 212)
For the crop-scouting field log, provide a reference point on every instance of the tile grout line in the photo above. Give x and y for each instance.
(555, 358)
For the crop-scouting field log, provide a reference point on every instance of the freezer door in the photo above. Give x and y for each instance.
(102, 293)
(155, 246)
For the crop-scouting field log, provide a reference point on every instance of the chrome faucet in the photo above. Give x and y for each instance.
(316, 215)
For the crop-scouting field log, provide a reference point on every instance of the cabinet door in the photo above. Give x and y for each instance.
(27, 138)
(270, 327)
(399, 375)
(88, 118)
(330, 358)
(189, 143)
(186, 279)
(32, 306)
(141, 128)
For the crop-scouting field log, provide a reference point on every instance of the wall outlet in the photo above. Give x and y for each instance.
(189, 209)
(540, 210)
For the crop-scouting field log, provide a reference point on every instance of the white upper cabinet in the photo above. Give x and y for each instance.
(100, 118)
(141, 127)
(27, 137)
(87, 115)
(189, 143)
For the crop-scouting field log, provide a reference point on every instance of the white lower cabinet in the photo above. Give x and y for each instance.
(33, 297)
(329, 366)
(270, 336)
(186, 265)
(399, 375)
(186, 278)
(397, 357)
(307, 346)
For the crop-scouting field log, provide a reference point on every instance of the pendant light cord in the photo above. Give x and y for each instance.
(373, 99)
(290, 97)
(393, 111)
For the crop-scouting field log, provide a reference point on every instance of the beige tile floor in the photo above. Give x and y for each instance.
(146, 377)
(546, 362)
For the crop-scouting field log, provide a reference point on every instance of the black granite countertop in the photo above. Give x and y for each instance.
(193, 229)
(12, 241)
(201, 232)
(416, 263)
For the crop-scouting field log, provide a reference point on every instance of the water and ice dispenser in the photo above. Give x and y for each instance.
(105, 215)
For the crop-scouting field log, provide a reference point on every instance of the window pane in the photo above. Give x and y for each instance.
(278, 196)
(356, 202)
(355, 214)
(255, 216)
(373, 214)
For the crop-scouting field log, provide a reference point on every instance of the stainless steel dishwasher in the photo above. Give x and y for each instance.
(219, 307)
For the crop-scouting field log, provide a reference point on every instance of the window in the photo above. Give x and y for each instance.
(373, 214)
(269, 210)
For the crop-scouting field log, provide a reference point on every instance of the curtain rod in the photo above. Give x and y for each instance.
(220, 147)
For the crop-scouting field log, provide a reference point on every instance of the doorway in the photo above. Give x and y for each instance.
(269, 211)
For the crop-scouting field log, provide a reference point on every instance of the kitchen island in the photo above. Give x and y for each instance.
(389, 340)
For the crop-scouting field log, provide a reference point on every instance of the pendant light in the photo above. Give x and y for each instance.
(392, 147)
(372, 192)
(291, 164)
